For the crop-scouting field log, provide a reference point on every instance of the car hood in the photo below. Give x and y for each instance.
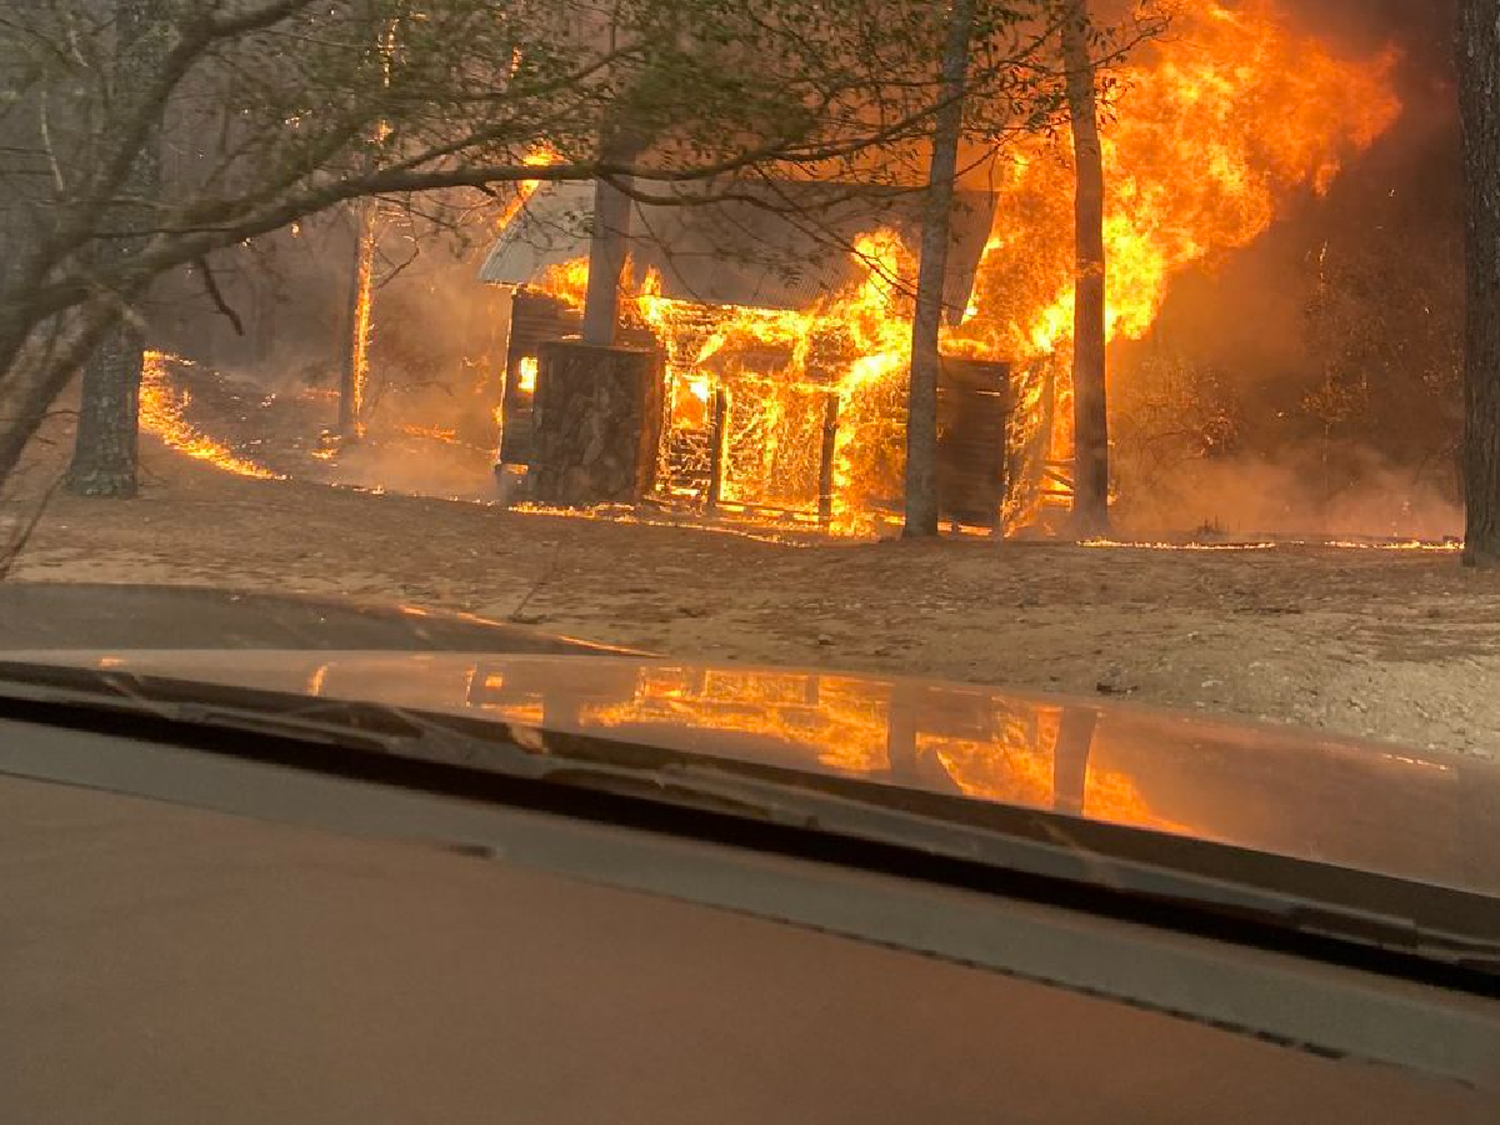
(1422, 816)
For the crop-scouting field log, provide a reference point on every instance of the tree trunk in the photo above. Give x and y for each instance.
(596, 424)
(354, 374)
(608, 245)
(1090, 414)
(1479, 103)
(921, 413)
(106, 446)
(105, 449)
(32, 383)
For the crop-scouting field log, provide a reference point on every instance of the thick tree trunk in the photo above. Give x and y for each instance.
(1479, 99)
(596, 424)
(1090, 414)
(608, 245)
(106, 446)
(926, 363)
(34, 377)
(105, 450)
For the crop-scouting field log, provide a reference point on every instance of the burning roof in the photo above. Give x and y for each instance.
(773, 245)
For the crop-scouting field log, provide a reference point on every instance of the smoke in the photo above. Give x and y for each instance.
(1311, 384)
(435, 357)
(1302, 497)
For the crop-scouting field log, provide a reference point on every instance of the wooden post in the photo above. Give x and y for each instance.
(717, 436)
(825, 463)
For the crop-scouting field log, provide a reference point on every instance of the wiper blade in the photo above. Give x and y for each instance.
(839, 808)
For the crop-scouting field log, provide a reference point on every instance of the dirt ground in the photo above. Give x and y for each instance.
(1402, 646)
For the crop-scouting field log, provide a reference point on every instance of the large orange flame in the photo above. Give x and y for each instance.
(1207, 137)
(1210, 132)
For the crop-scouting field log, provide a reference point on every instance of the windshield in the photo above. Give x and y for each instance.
(921, 387)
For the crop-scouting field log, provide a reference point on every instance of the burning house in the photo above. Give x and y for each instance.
(772, 350)
(762, 372)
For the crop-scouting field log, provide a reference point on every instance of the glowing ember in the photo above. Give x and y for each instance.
(162, 410)
(364, 302)
(1446, 546)
(431, 433)
(1449, 546)
(526, 375)
(1111, 544)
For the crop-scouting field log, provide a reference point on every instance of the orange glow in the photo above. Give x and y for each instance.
(162, 413)
(1405, 546)
(1208, 137)
(431, 433)
(364, 302)
(853, 726)
(538, 157)
(526, 375)
(1210, 134)
(568, 282)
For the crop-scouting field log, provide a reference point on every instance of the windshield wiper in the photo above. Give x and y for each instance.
(1025, 853)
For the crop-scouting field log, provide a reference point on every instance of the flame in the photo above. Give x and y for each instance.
(778, 394)
(539, 157)
(1206, 139)
(1210, 133)
(364, 303)
(526, 375)
(568, 282)
(162, 413)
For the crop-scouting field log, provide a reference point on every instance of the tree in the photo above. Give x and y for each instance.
(1479, 104)
(355, 361)
(1090, 414)
(104, 453)
(926, 361)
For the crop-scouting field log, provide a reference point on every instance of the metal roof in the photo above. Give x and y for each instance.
(775, 245)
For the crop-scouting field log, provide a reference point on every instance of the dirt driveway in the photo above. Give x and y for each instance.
(1397, 645)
